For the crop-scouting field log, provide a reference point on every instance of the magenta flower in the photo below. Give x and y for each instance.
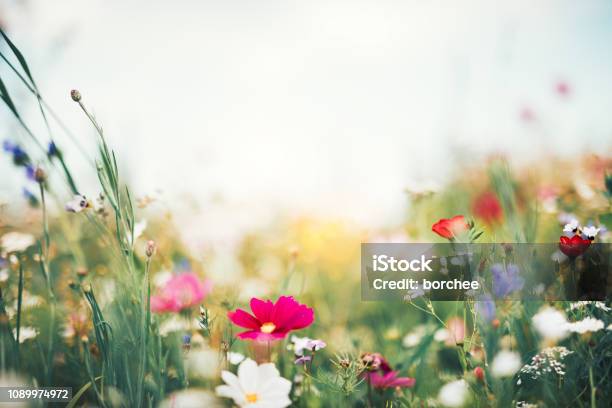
(183, 291)
(272, 321)
(389, 380)
(378, 372)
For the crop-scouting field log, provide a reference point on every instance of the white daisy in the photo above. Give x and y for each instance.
(25, 333)
(454, 394)
(256, 386)
(550, 323)
(16, 242)
(589, 324)
(505, 364)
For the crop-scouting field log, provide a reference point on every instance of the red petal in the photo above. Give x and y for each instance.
(243, 319)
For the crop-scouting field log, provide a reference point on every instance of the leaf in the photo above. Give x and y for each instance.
(7, 99)
(79, 394)
(19, 56)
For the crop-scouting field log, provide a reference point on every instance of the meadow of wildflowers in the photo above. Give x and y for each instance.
(120, 311)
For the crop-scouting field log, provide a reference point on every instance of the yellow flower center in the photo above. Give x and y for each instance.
(268, 327)
(251, 398)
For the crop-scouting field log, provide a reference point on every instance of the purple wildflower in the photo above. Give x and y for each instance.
(20, 157)
(485, 307)
(506, 280)
(302, 360)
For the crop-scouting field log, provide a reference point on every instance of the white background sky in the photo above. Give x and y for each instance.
(260, 108)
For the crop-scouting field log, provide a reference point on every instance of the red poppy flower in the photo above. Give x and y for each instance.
(272, 321)
(488, 208)
(449, 227)
(573, 246)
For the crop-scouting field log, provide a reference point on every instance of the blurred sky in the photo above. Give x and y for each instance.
(251, 109)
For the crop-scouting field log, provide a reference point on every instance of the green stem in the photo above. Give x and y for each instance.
(45, 267)
(19, 303)
(146, 323)
(593, 388)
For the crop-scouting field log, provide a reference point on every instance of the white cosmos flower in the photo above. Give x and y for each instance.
(256, 386)
(591, 232)
(25, 333)
(550, 323)
(571, 226)
(589, 324)
(16, 241)
(505, 364)
(454, 394)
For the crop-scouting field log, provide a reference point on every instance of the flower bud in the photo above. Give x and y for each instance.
(39, 175)
(150, 248)
(479, 373)
(75, 95)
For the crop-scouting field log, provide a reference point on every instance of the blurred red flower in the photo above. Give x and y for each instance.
(449, 227)
(488, 208)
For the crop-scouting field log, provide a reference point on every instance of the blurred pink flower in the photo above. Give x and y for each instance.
(389, 380)
(456, 331)
(272, 321)
(182, 291)
(562, 88)
(527, 115)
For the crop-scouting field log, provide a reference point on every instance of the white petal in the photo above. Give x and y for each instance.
(275, 387)
(277, 402)
(247, 375)
(230, 392)
(230, 379)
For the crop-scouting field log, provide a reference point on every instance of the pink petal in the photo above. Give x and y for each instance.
(159, 304)
(259, 336)
(262, 309)
(243, 319)
(290, 315)
(404, 382)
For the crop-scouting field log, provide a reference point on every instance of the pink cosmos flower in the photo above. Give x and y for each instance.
(389, 380)
(379, 373)
(181, 292)
(272, 321)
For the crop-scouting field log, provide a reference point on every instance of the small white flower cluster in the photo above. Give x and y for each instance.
(588, 324)
(583, 304)
(547, 361)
